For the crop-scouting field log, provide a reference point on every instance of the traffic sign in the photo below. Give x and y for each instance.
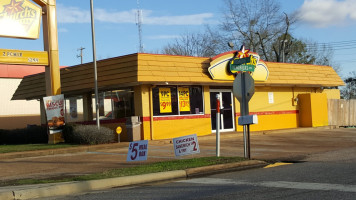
(243, 79)
(243, 64)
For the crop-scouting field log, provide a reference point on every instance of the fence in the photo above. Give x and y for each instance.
(342, 112)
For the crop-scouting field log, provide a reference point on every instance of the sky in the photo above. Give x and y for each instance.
(331, 22)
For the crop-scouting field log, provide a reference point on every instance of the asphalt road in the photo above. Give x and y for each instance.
(329, 175)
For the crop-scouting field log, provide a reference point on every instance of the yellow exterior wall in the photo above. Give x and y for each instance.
(282, 113)
(313, 110)
(206, 92)
(164, 129)
(272, 122)
(142, 109)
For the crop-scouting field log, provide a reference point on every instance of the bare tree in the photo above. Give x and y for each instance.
(262, 27)
(256, 23)
(207, 44)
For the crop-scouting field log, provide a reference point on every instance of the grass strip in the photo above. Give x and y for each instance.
(32, 147)
(137, 170)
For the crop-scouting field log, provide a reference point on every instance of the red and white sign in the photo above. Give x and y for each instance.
(54, 106)
(138, 151)
(186, 145)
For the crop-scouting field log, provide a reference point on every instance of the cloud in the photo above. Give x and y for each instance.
(76, 15)
(72, 15)
(324, 13)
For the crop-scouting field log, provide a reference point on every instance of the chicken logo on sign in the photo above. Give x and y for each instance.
(243, 62)
(223, 66)
(22, 19)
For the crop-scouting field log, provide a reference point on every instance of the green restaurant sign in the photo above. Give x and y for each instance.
(247, 64)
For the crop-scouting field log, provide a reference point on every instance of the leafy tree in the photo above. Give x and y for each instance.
(349, 91)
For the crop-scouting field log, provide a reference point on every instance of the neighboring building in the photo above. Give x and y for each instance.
(20, 113)
(175, 95)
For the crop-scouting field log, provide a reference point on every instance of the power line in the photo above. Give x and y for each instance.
(342, 45)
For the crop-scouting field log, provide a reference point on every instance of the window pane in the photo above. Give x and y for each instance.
(195, 101)
(115, 104)
(123, 103)
(165, 101)
(74, 109)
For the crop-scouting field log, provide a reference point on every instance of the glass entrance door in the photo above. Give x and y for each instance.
(226, 110)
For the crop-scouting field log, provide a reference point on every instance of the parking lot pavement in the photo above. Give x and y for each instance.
(293, 144)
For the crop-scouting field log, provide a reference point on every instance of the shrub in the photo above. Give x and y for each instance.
(33, 134)
(87, 134)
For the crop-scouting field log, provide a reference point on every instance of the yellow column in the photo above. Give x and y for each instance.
(52, 72)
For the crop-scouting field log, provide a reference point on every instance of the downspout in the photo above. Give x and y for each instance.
(151, 112)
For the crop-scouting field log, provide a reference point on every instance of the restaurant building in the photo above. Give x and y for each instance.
(175, 95)
(17, 114)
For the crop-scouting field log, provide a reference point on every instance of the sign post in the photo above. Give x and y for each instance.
(217, 125)
(243, 89)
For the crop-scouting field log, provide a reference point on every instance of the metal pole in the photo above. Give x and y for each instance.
(217, 125)
(245, 141)
(248, 142)
(95, 67)
(245, 111)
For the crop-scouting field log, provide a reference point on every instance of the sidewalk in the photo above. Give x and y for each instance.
(281, 145)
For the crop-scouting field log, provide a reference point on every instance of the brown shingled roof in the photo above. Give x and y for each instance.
(142, 68)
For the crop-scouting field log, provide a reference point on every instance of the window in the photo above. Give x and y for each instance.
(74, 109)
(115, 104)
(177, 100)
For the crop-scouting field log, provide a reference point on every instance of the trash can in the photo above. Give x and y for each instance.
(133, 128)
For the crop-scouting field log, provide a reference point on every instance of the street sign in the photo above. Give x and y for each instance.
(242, 68)
(10, 56)
(137, 151)
(249, 84)
(243, 64)
(186, 145)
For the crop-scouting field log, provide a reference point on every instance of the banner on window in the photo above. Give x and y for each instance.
(54, 106)
(184, 103)
(165, 102)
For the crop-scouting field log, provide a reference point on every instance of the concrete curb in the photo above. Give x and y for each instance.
(67, 188)
(199, 171)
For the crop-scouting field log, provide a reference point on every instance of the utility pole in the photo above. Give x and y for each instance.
(81, 54)
(139, 24)
(95, 65)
